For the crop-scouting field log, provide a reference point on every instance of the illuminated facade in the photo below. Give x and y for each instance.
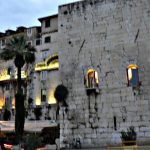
(99, 50)
(46, 74)
(8, 76)
(40, 79)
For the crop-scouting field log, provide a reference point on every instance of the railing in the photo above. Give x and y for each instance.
(127, 145)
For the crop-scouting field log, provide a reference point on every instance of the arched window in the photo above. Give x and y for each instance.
(92, 79)
(132, 75)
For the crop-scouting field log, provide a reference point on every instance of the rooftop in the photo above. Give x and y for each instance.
(48, 17)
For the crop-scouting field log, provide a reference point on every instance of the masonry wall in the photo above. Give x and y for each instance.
(106, 35)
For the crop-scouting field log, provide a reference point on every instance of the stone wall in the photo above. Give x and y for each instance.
(106, 35)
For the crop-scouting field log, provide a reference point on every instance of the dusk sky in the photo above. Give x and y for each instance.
(14, 13)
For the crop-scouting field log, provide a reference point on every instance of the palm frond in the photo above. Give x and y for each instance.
(18, 46)
(29, 57)
(7, 54)
(29, 54)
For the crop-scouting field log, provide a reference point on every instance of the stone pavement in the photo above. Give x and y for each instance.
(101, 148)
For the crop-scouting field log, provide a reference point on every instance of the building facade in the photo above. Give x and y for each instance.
(104, 62)
(8, 75)
(40, 79)
(99, 50)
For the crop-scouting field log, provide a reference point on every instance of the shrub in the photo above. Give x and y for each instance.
(50, 134)
(31, 142)
(38, 112)
(129, 137)
(61, 93)
(6, 115)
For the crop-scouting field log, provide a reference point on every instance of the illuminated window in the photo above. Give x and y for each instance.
(43, 95)
(132, 75)
(92, 79)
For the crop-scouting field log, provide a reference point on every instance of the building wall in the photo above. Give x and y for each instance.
(51, 79)
(35, 82)
(53, 25)
(107, 36)
(7, 81)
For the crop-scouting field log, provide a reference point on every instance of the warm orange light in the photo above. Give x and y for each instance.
(133, 66)
(8, 146)
(96, 77)
(51, 98)
(54, 64)
(37, 101)
(13, 103)
(129, 73)
(23, 74)
(4, 76)
(2, 102)
(129, 70)
(91, 73)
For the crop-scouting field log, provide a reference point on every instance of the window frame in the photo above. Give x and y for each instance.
(39, 40)
(47, 23)
(42, 95)
(44, 55)
(93, 84)
(130, 81)
(3, 42)
(43, 75)
(47, 39)
(29, 31)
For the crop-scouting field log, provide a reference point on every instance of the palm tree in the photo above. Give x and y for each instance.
(22, 54)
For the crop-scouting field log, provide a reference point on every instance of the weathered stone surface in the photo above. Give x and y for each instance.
(106, 36)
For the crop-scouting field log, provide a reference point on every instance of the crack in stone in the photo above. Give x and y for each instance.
(81, 47)
(136, 36)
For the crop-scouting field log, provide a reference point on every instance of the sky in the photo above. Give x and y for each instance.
(14, 13)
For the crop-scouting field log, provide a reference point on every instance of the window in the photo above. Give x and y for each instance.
(8, 103)
(7, 87)
(47, 23)
(47, 39)
(132, 75)
(44, 54)
(92, 79)
(38, 41)
(43, 75)
(43, 95)
(29, 31)
(3, 42)
(9, 71)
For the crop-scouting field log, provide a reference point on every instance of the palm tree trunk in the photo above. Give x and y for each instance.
(20, 111)
(19, 80)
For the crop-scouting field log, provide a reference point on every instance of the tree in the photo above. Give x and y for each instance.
(61, 93)
(18, 50)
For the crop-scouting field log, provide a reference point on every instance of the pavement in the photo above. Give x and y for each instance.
(101, 148)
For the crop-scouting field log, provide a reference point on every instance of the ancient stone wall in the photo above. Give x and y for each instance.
(107, 36)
